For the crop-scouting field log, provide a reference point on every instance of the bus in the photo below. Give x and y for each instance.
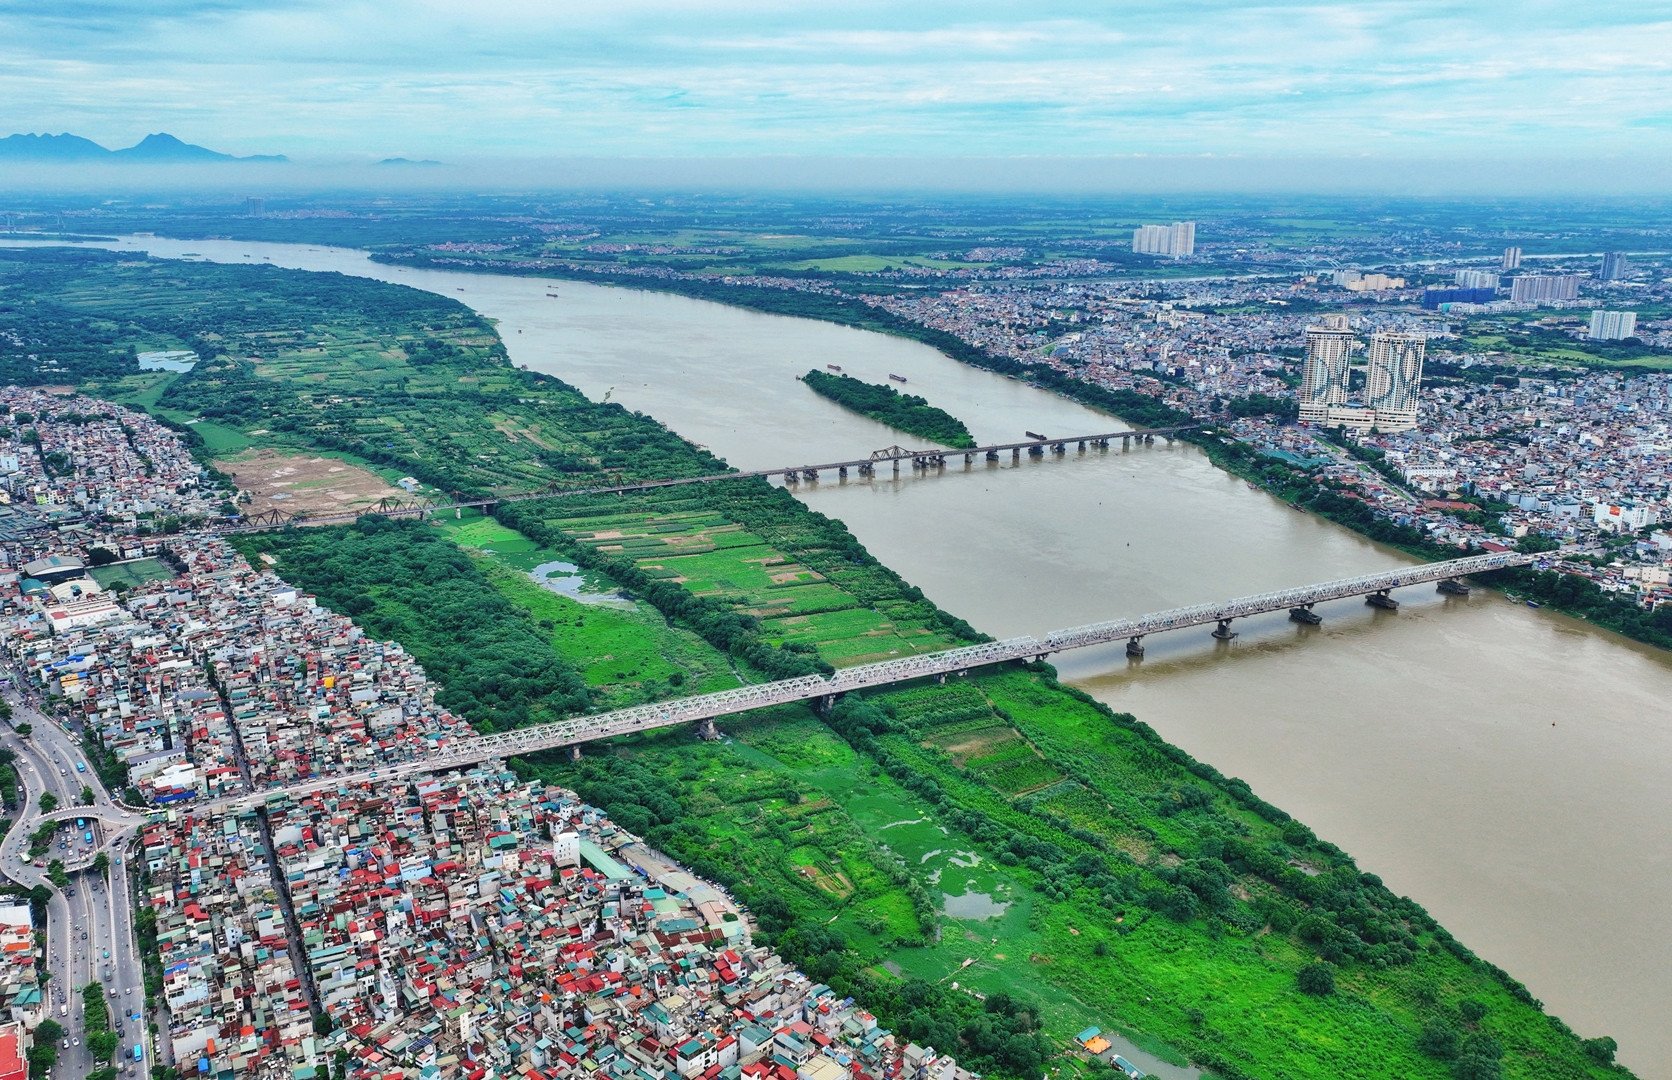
(139, 1052)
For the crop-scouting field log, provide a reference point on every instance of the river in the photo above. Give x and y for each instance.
(1510, 769)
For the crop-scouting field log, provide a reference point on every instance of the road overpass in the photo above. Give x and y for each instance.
(702, 710)
(891, 457)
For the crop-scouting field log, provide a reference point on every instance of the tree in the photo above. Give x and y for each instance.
(102, 1044)
(101, 863)
(1439, 1040)
(48, 802)
(1600, 1050)
(42, 1057)
(1471, 1011)
(25, 730)
(86, 795)
(1317, 979)
(50, 1030)
(55, 873)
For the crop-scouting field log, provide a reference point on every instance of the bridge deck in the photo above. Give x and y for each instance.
(703, 707)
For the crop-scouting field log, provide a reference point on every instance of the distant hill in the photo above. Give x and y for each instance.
(158, 149)
(426, 163)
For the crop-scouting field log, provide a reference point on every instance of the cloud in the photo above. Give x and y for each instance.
(346, 78)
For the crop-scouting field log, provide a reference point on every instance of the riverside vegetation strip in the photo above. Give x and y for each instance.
(886, 405)
(1102, 876)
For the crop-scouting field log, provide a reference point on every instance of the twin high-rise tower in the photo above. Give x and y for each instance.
(1392, 380)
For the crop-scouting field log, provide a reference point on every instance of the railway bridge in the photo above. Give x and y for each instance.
(702, 710)
(891, 456)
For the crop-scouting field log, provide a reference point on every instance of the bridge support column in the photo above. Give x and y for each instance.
(575, 752)
(1223, 631)
(1058, 448)
(968, 458)
(992, 455)
(1015, 454)
(1453, 587)
(1082, 446)
(1135, 647)
(896, 466)
(706, 730)
(1382, 600)
(1125, 441)
(842, 473)
(1305, 615)
(941, 678)
(1149, 438)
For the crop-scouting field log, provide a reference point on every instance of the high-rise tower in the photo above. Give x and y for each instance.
(1394, 378)
(1323, 377)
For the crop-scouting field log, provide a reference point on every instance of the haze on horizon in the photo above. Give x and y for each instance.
(1416, 96)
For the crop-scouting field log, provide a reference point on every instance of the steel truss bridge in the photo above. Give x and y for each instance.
(865, 466)
(701, 711)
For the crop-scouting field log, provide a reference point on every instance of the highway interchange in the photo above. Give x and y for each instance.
(90, 930)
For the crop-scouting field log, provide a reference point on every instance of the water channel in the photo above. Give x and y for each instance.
(1510, 769)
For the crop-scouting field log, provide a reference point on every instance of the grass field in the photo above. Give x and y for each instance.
(627, 653)
(134, 573)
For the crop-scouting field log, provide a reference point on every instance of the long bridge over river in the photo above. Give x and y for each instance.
(891, 457)
(702, 710)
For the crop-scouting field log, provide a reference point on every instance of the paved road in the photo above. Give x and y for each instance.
(90, 934)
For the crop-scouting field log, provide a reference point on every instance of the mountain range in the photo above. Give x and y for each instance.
(159, 149)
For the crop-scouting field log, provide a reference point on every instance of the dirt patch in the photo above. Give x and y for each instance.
(961, 746)
(303, 483)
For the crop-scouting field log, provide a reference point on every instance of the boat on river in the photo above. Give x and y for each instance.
(897, 378)
(833, 367)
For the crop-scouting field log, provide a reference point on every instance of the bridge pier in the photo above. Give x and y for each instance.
(1015, 454)
(1135, 647)
(824, 705)
(1382, 600)
(842, 472)
(1082, 446)
(1125, 441)
(1036, 451)
(867, 469)
(575, 752)
(1149, 438)
(706, 729)
(941, 678)
(1305, 615)
(1453, 587)
(992, 455)
(969, 458)
(896, 466)
(1223, 631)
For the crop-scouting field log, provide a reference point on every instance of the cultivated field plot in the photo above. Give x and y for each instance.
(306, 483)
(711, 556)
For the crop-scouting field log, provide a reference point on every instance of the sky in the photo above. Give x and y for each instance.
(1398, 81)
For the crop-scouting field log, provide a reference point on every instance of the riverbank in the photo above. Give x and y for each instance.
(1566, 593)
